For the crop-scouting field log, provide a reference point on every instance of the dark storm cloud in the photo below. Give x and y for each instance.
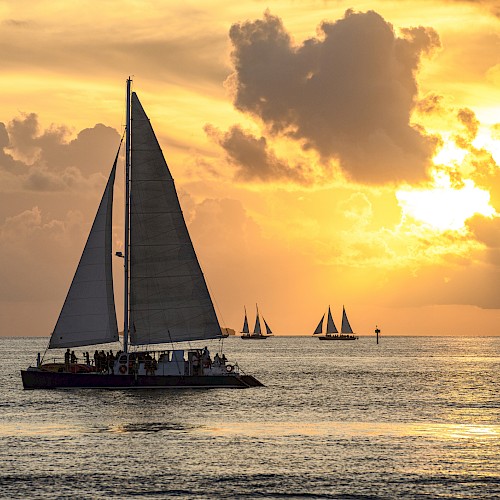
(348, 93)
(49, 161)
(253, 159)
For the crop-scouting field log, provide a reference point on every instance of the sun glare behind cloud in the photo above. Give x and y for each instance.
(444, 207)
(449, 153)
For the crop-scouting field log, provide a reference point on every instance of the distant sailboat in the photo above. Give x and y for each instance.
(346, 332)
(166, 298)
(257, 332)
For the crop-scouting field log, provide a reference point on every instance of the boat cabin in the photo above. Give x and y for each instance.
(177, 362)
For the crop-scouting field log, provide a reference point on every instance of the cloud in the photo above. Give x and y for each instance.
(479, 163)
(191, 52)
(465, 285)
(358, 209)
(470, 122)
(431, 103)
(253, 158)
(7, 162)
(49, 161)
(348, 94)
(491, 5)
(90, 151)
(34, 248)
(486, 230)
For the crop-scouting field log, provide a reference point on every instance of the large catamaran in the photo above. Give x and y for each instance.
(166, 299)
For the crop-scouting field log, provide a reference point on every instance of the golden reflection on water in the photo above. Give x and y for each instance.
(27, 430)
(347, 429)
(272, 429)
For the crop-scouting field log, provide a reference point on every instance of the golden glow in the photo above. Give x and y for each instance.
(449, 154)
(485, 140)
(441, 431)
(444, 207)
(378, 241)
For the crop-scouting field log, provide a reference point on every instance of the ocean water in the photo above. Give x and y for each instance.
(412, 417)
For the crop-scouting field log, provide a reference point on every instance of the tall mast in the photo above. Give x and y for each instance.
(127, 219)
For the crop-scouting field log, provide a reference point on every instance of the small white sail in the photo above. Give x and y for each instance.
(268, 330)
(319, 328)
(256, 330)
(346, 327)
(330, 325)
(88, 315)
(245, 324)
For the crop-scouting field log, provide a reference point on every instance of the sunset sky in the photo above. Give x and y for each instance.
(325, 153)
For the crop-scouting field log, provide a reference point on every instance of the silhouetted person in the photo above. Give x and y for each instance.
(67, 356)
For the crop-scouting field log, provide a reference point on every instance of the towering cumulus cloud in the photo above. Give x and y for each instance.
(47, 161)
(348, 94)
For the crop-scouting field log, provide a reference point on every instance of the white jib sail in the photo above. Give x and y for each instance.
(88, 315)
(169, 298)
(346, 327)
(330, 325)
(319, 328)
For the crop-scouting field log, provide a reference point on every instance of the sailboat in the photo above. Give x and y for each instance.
(332, 333)
(257, 332)
(166, 299)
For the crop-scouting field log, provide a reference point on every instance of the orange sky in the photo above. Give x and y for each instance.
(325, 152)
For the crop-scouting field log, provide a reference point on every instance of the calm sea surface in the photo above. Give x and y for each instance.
(414, 417)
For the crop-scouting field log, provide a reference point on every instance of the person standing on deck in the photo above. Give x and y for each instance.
(67, 355)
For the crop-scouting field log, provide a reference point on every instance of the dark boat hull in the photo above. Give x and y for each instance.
(326, 337)
(255, 337)
(39, 379)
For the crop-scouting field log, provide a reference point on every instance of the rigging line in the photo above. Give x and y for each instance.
(45, 352)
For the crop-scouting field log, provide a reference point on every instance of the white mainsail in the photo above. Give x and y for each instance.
(330, 325)
(88, 315)
(169, 298)
(346, 327)
(319, 328)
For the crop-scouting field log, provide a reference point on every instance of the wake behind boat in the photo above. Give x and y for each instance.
(332, 333)
(166, 299)
(257, 333)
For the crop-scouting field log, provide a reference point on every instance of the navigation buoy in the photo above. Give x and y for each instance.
(377, 331)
